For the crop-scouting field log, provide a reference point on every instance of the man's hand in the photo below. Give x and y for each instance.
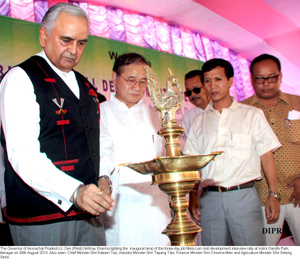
(104, 186)
(194, 205)
(272, 206)
(194, 202)
(95, 200)
(295, 196)
(272, 210)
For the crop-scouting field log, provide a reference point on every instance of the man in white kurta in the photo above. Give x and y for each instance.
(128, 134)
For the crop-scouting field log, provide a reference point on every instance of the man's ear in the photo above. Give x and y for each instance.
(114, 77)
(252, 80)
(43, 36)
(231, 81)
(280, 77)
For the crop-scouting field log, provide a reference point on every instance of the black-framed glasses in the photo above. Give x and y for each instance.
(196, 90)
(261, 80)
(132, 81)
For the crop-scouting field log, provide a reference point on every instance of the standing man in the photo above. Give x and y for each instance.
(283, 114)
(50, 132)
(129, 135)
(197, 95)
(230, 207)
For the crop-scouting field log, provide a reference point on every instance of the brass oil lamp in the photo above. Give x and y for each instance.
(174, 173)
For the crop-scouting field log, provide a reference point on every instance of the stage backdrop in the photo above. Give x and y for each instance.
(19, 40)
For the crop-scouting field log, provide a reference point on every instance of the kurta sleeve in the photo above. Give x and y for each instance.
(106, 147)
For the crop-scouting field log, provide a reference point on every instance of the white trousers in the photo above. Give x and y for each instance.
(291, 215)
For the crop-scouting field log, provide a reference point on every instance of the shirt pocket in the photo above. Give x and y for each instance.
(294, 131)
(240, 146)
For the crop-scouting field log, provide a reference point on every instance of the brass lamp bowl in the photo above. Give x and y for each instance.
(168, 164)
(176, 176)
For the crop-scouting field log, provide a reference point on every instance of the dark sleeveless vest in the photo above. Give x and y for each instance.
(69, 136)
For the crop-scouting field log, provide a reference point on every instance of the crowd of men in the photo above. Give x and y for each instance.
(61, 151)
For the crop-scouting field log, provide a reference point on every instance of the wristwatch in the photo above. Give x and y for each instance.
(108, 181)
(276, 195)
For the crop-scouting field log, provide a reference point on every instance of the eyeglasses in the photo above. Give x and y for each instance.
(261, 80)
(131, 82)
(196, 90)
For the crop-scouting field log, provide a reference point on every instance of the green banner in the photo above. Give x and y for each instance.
(20, 39)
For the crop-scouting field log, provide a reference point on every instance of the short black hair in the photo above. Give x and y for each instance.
(127, 59)
(263, 57)
(194, 73)
(214, 63)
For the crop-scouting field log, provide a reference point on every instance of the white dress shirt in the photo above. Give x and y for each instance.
(242, 132)
(20, 119)
(188, 119)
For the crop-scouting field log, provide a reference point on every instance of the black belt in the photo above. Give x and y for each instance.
(227, 189)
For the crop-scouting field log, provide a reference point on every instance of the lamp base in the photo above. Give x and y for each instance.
(181, 230)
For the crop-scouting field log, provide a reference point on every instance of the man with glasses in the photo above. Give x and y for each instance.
(282, 113)
(128, 134)
(197, 95)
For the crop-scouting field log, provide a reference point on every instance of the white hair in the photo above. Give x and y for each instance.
(51, 15)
